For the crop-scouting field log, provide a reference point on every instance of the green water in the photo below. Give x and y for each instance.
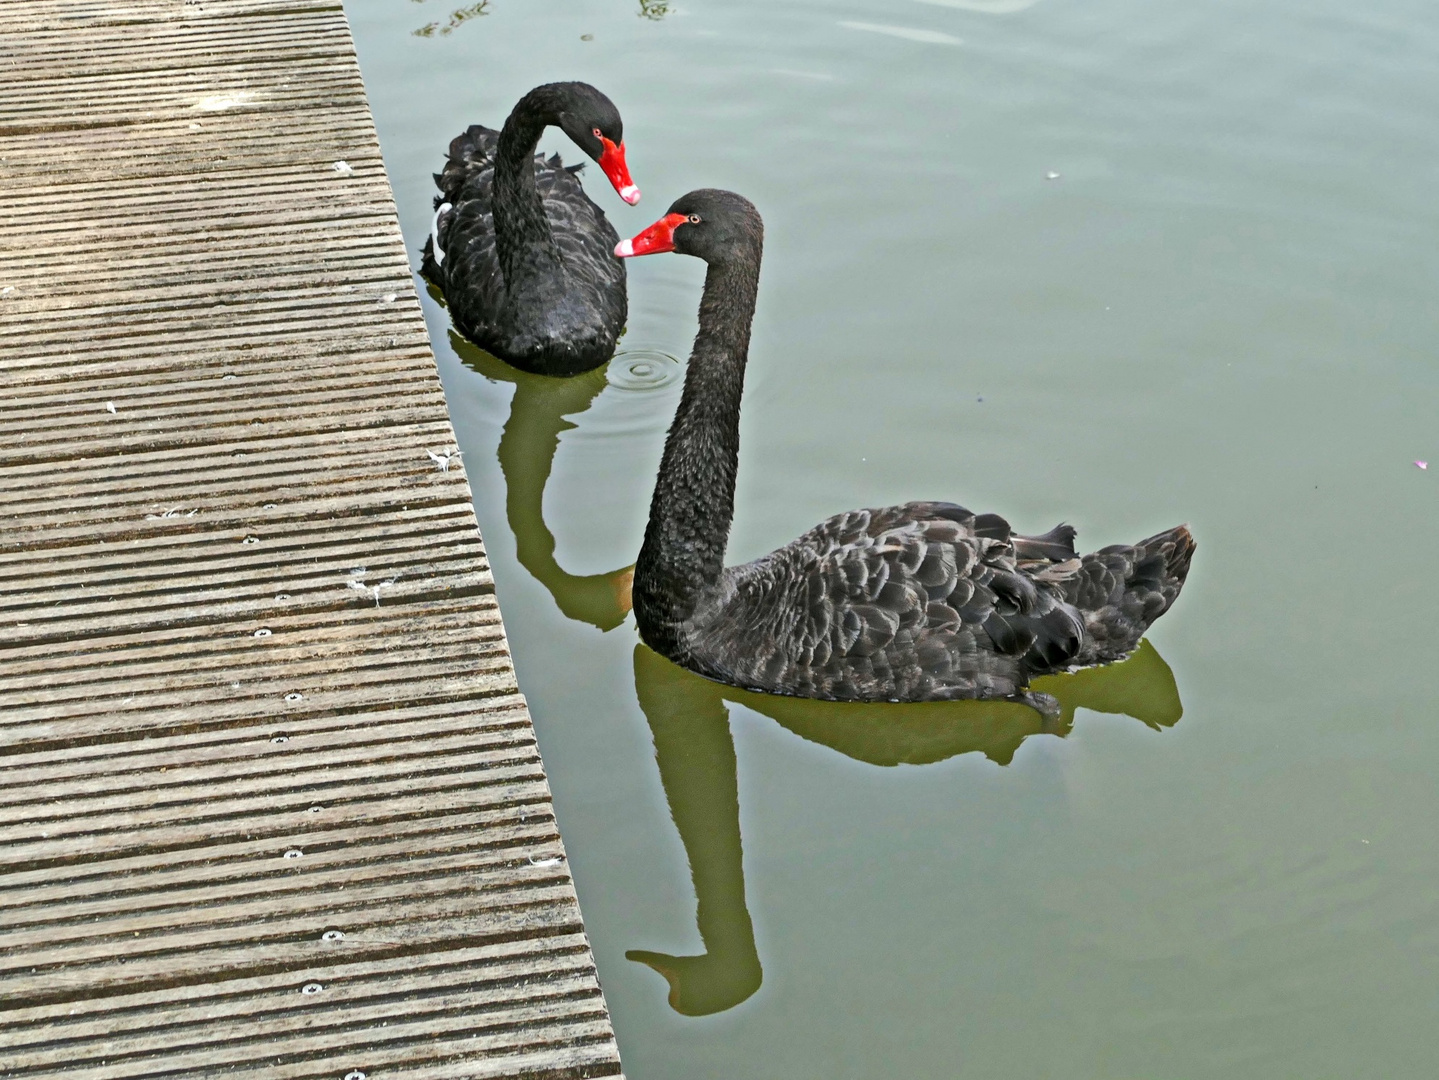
(1220, 311)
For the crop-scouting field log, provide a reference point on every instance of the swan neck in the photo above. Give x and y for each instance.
(682, 560)
(522, 232)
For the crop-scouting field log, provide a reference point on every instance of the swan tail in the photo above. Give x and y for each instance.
(1121, 590)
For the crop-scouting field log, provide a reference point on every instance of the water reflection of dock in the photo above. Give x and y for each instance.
(270, 802)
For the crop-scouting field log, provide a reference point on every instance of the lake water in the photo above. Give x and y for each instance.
(1123, 263)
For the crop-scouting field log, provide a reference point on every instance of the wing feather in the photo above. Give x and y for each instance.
(909, 602)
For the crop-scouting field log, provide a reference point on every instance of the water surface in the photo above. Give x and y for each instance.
(1118, 263)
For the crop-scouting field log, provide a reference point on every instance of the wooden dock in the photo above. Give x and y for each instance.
(270, 800)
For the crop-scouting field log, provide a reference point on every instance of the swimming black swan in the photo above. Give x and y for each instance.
(524, 258)
(920, 602)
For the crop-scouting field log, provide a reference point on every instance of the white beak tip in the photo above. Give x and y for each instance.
(625, 248)
(630, 194)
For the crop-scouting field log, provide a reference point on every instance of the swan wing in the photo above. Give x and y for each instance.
(464, 230)
(920, 601)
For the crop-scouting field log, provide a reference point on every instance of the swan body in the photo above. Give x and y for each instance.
(523, 256)
(921, 602)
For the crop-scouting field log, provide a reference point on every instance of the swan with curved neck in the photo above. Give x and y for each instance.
(920, 602)
(523, 256)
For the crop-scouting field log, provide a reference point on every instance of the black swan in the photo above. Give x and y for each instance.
(921, 602)
(523, 257)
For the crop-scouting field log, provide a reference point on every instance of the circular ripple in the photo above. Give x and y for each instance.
(643, 369)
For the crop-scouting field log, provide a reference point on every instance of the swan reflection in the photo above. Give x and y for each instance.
(689, 719)
(689, 715)
(538, 415)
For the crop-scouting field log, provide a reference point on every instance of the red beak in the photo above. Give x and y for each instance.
(612, 161)
(658, 237)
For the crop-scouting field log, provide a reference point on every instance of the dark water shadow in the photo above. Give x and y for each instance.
(689, 719)
(526, 453)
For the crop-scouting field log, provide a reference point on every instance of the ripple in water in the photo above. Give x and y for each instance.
(643, 369)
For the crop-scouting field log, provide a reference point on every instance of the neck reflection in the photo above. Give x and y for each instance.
(689, 719)
(526, 453)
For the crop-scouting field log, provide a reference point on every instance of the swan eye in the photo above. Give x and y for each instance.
(694, 219)
(597, 133)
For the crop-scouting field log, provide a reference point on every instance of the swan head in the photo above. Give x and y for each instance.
(710, 224)
(592, 121)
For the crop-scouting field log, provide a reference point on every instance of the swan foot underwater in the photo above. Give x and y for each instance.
(521, 254)
(920, 602)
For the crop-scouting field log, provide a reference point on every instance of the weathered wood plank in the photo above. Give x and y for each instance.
(350, 817)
